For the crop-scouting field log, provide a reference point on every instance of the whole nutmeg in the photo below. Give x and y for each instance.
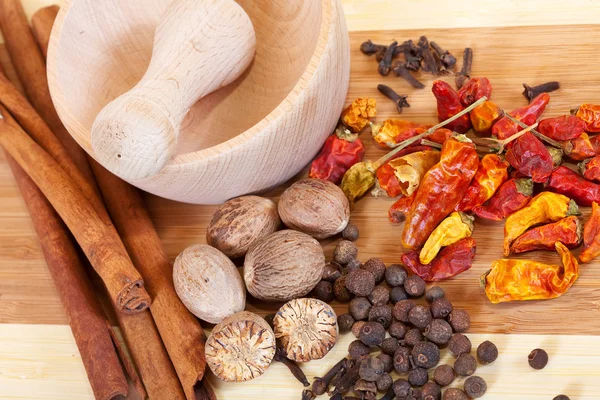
(208, 283)
(316, 207)
(239, 223)
(283, 266)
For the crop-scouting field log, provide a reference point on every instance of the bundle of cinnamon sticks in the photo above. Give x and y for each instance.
(70, 196)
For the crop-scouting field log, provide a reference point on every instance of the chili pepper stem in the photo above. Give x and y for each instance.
(540, 136)
(426, 142)
(506, 141)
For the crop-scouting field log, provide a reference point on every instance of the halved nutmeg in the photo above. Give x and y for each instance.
(307, 329)
(240, 348)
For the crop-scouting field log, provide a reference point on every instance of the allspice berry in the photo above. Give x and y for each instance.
(412, 337)
(487, 352)
(397, 330)
(402, 388)
(379, 296)
(344, 252)
(381, 314)
(395, 275)
(441, 308)
(420, 316)
(414, 286)
(376, 266)
(426, 355)
(402, 360)
(359, 308)
(460, 320)
(331, 272)
(323, 291)
(357, 327)
(345, 322)
(438, 331)
(538, 358)
(398, 294)
(384, 383)
(357, 349)
(372, 334)
(434, 293)
(465, 365)
(352, 265)
(350, 233)
(402, 309)
(454, 394)
(443, 375)
(459, 344)
(431, 391)
(418, 376)
(475, 387)
(340, 291)
(389, 346)
(388, 362)
(360, 282)
(371, 369)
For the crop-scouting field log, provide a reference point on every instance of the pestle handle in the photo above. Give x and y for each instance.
(199, 47)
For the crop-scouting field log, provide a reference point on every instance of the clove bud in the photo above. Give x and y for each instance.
(412, 55)
(348, 379)
(369, 48)
(292, 366)
(447, 59)
(399, 100)
(308, 395)
(465, 72)
(321, 384)
(428, 60)
(532, 92)
(385, 65)
(401, 70)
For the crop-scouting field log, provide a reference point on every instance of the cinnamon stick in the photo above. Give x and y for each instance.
(41, 26)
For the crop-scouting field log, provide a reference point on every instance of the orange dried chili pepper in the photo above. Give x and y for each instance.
(410, 169)
(455, 227)
(440, 135)
(581, 148)
(544, 208)
(341, 150)
(568, 231)
(441, 189)
(528, 114)
(591, 236)
(529, 156)
(569, 183)
(394, 131)
(484, 117)
(474, 89)
(511, 280)
(590, 169)
(386, 176)
(356, 116)
(451, 261)
(398, 211)
(490, 175)
(566, 127)
(448, 105)
(512, 196)
(590, 114)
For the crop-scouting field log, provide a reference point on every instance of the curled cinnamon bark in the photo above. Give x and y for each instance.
(41, 26)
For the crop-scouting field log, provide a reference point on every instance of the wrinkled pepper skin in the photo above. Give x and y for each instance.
(591, 236)
(590, 169)
(454, 228)
(568, 231)
(527, 114)
(590, 114)
(529, 156)
(357, 115)
(566, 127)
(410, 169)
(484, 116)
(581, 148)
(571, 184)
(358, 180)
(335, 158)
(394, 131)
(448, 105)
(399, 210)
(512, 196)
(544, 208)
(386, 174)
(473, 90)
(490, 175)
(440, 135)
(451, 261)
(514, 280)
(441, 189)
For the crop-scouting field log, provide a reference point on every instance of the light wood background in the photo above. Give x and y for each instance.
(38, 357)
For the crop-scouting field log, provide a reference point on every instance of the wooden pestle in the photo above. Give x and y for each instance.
(199, 47)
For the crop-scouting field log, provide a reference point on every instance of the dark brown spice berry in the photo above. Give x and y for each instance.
(475, 387)
(345, 322)
(388, 362)
(416, 394)
(414, 286)
(431, 391)
(395, 275)
(342, 294)
(425, 355)
(371, 369)
(323, 291)
(360, 282)
(397, 330)
(412, 337)
(357, 327)
(384, 383)
(441, 308)
(418, 376)
(402, 309)
(379, 296)
(443, 375)
(487, 352)
(372, 334)
(402, 388)
(538, 358)
(434, 293)
(398, 294)
(460, 320)
(561, 397)
(420, 316)
(389, 345)
(459, 344)
(350, 233)
(381, 314)
(269, 318)
(331, 273)
(352, 265)
(402, 360)
(344, 252)
(454, 394)
(465, 365)
(376, 266)
(438, 331)
(357, 349)
(359, 308)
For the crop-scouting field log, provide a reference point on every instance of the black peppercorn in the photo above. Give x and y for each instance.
(381, 314)
(376, 266)
(414, 286)
(345, 322)
(431, 391)
(402, 388)
(384, 383)
(441, 308)
(475, 386)
(388, 362)
(357, 327)
(420, 316)
(402, 309)
(331, 272)
(379, 296)
(465, 365)
(389, 345)
(443, 375)
(359, 308)
(360, 282)
(371, 369)
(487, 352)
(395, 275)
(434, 293)
(454, 394)
(418, 376)
(398, 294)
(425, 355)
(538, 358)
(372, 334)
(357, 349)
(438, 331)
(350, 232)
(352, 265)
(397, 330)
(459, 344)
(341, 293)
(323, 291)
(344, 252)
(561, 397)
(402, 360)
(412, 337)
(460, 320)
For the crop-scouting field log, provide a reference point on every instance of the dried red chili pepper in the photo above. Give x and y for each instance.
(450, 261)
(580, 148)
(394, 131)
(528, 114)
(490, 175)
(441, 189)
(448, 104)
(440, 135)
(571, 184)
(386, 176)
(340, 151)
(484, 117)
(590, 169)
(400, 209)
(473, 90)
(568, 231)
(513, 195)
(590, 114)
(595, 141)
(408, 172)
(529, 156)
(566, 127)
(591, 236)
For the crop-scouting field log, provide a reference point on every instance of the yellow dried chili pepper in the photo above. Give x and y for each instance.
(544, 208)
(358, 180)
(409, 169)
(454, 228)
(394, 131)
(511, 280)
(356, 116)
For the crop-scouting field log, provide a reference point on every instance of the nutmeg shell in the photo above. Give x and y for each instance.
(316, 207)
(283, 266)
(239, 223)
